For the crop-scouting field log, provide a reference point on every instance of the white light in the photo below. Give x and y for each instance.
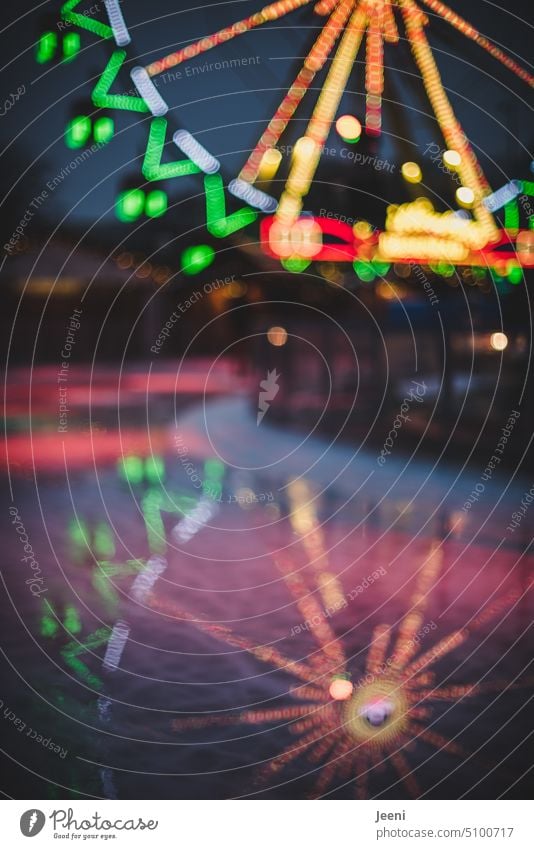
(116, 22)
(191, 524)
(146, 579)
(499, 341)
(148, 91)
(503, 196)
(244, 191)
(196, 152)
(117, 641)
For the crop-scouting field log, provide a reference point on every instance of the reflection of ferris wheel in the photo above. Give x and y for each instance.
(414, 232)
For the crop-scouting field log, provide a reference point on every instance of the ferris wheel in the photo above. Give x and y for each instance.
(275, 178)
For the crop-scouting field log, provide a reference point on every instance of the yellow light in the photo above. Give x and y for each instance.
(499, 341)
(349, 128)
(452, 159)
(341, 689)
(411, 172)
(277, 336)
(362, 230)
(269, 164)
(418, 218)
(304, 148)
(465, 197)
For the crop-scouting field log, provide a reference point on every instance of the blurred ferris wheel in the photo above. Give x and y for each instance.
(275, 178)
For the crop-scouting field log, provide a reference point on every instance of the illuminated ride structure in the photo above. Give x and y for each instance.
(348, 730)
(415, 233)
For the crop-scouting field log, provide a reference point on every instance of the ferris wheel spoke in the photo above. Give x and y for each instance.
(469, 168)
(269, 13)
(374, 71)
(313, 63)
(305, 165)
(469, 31)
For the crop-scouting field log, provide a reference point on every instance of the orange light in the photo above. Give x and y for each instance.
(277, 336)
(341, 689)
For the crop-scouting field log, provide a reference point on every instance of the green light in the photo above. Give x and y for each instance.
(515, 275)
(72, 621)
(445, 269)
(101, 96)
(83, 21)
(156, 203)
(380, 267)
(295, 264)
(153, 503)
(218, 223)
(107, 570)
(214, 468)
(49, 626)
(71, 46)
(154, 469)
(364, 270)
(103, 130)
(214, 471)
(78, 131)
(78, 533)
(155, 530)
(130, 204)
(104, 544)
(46, 47)
(131, 469)
(152, 167)
(196, 258)
(72, 650)
(511, 216)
